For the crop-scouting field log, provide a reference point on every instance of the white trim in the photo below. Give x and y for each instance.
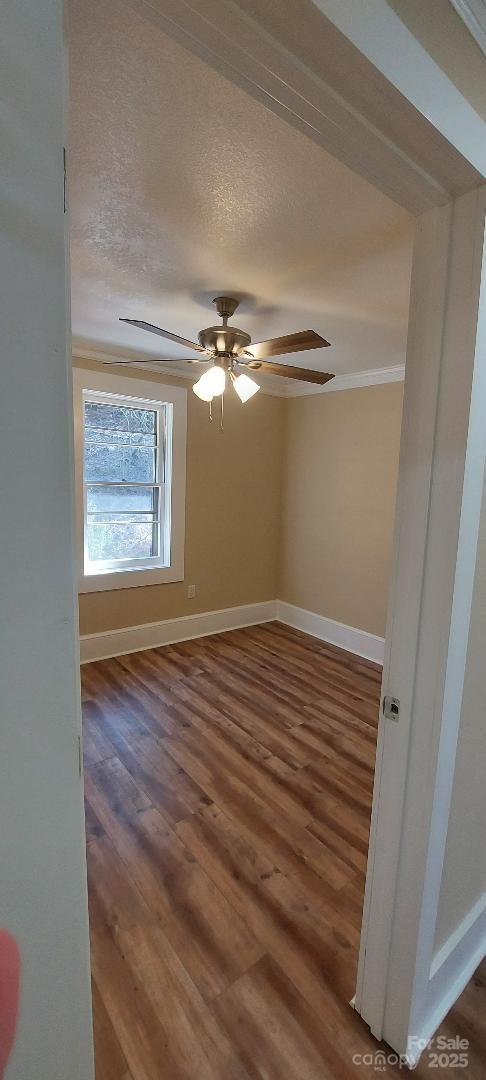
(115, 383)
(436, 141)
(452, 968)
(439, 498)
(151, 635)
(353, 640)
(269, 383)
(396, 54)
(355, 379)
(110, 643)
(427, 299)
(468, 928)
(473, 15)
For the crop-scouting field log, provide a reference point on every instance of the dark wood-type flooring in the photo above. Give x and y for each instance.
(228, 790)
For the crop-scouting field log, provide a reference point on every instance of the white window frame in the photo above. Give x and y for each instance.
(119, 388)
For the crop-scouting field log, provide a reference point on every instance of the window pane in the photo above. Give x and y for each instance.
(123, 438)
(119, 418)
(122, 499)
(119, 463)
(114, 516)
(123, 502)
(130, 541)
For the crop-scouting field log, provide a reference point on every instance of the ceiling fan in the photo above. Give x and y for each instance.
(231, 349)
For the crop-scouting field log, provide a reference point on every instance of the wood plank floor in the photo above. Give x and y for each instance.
(228, 790)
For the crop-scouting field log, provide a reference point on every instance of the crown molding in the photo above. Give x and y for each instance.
(473, 15)
(288, 388)
(352, 381)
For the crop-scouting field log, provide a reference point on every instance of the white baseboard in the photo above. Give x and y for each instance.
(169, 631)
(356, 641)
(452, 968)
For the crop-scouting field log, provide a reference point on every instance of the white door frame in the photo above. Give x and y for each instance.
(43, 893)
(437, 521)
(353, 78)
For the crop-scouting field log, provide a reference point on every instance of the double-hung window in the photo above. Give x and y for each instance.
(126, 484)
(130, 464)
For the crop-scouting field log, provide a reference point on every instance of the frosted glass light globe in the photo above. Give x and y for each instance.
(245, 387)
(211, 384)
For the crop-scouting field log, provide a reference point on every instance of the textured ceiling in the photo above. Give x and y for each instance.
(182, 187)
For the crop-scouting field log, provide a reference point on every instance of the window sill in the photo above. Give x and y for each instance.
(129, 579)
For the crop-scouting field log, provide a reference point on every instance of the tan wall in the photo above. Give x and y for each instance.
(464, 872)
(295, 500)
(339, 482)
(232, 517)
(443, 34)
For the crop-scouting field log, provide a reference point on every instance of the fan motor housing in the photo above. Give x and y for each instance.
(224, 340)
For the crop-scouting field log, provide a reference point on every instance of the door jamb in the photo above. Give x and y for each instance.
(440, 487)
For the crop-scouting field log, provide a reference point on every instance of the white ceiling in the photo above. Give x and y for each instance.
(182, 187)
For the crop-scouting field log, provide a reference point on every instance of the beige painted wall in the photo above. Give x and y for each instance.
(339, 482)
(232, 517)
(445, 37)
(464, 871)
(295, 500)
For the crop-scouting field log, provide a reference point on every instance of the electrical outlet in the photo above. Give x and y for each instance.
(191, 592)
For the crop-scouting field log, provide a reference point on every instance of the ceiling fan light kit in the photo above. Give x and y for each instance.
(211, 384)
(231, 348)
(244, 386)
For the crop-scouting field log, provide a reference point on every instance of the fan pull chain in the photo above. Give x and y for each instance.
(210, 412)
(221, 422)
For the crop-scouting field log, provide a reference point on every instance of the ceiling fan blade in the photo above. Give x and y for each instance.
(289, 372)
(304, 339)
(159, 360)
(164, 333)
